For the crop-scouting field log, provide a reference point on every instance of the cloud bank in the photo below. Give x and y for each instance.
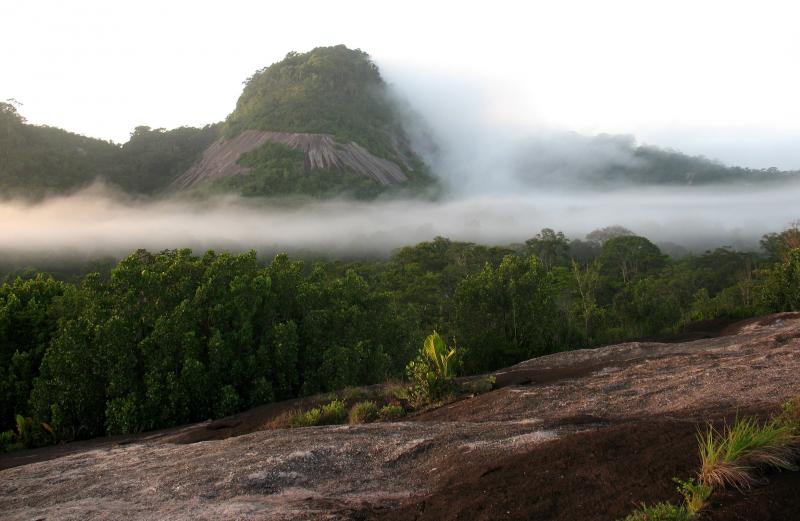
(95, 222)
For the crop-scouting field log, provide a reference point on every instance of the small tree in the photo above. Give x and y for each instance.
(433, 370)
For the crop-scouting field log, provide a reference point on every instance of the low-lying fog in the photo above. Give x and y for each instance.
(96, 222)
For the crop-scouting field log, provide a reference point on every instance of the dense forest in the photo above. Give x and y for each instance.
(37, 161)
(168, 338)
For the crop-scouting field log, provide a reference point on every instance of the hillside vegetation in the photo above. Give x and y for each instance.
(607, 161)
(36, 161)
(329, 90)
(172, 337)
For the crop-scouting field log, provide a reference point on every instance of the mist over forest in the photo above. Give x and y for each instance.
(471, 175)
(99, 221)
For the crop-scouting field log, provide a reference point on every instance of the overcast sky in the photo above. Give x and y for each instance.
(713, 78)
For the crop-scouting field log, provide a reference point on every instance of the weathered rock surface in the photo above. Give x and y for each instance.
(578, 435)
(321, 152)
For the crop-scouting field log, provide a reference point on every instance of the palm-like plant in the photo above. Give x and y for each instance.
(440, 357)
(433, 370)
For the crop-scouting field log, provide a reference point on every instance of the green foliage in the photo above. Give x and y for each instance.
(331, 90)
(507, 313)
(660, 512)
(781, 291)
(7, 443)
(168, 338)
(24, 430)
(779, 245)
(391, 412)
(432, 371)
(36, 161)
(550, 247)
(332, 413)
(153, 158)
(624, 258)
(27, 325)
(363, 412)
(695, 494)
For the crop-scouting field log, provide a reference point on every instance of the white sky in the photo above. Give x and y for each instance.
(707, 77)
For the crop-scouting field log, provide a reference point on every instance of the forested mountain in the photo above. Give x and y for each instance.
(319, 124)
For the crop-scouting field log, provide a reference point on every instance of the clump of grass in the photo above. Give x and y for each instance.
(363, 412)
(391, 412)
(329, 414)
(695, 494)
(730, 456)
(660, 512)
(305, 418)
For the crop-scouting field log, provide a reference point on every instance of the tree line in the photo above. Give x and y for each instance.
(173, 337)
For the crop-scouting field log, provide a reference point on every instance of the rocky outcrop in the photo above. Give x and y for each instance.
(321, 151)
(579, 435)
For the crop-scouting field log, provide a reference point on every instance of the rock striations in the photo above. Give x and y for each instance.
(321, 152)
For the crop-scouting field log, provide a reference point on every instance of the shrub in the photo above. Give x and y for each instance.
(695, 494)
(660, 512)
(363, 412)
(391, 412)
(24, 432)
(432, 371)
(7, 441)
(730, 456)
(333, 413)
(305, 418)
(329, 414)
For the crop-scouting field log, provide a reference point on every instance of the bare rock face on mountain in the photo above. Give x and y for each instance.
(321, 152)
(578, 435)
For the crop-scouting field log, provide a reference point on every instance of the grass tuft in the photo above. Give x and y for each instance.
(363, 412)
(391, 412)
(329, 414)
(660, 512)
(730, 456)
